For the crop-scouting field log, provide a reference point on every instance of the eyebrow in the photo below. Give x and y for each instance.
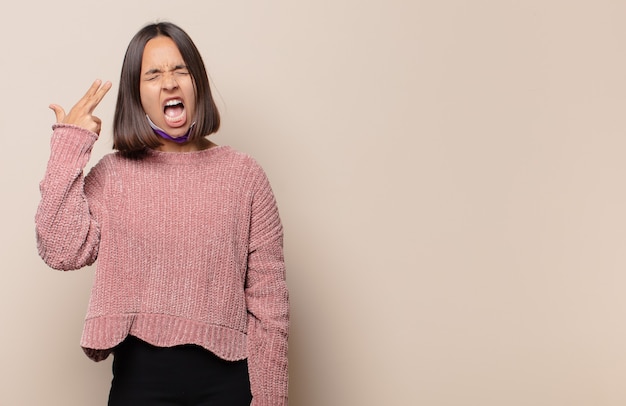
(157, 70)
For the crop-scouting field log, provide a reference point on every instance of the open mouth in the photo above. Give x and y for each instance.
(174, 112)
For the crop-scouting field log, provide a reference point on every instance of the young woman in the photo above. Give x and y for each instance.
(189, 294)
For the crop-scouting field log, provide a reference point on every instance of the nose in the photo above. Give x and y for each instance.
(169, 81)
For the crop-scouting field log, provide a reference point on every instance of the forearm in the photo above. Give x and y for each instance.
(268, 327)
(67, 235)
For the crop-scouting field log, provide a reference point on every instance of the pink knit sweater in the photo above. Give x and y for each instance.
(188, 248)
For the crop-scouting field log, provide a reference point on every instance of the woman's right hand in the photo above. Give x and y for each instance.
(82, 113)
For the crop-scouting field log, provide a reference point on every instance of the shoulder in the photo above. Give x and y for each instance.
(110, 160)
(236, 154)
(110, 166)
(242, 168)
(242, 159)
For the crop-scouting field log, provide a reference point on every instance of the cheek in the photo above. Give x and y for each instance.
(142, 96)
(190, 96)
(148, 101)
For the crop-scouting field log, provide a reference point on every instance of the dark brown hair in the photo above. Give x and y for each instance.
(131, 131)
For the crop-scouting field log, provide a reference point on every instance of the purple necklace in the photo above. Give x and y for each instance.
(162, 133)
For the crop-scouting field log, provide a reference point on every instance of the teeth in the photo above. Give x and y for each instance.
(173, 103)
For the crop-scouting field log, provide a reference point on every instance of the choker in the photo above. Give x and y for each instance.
(162, 133)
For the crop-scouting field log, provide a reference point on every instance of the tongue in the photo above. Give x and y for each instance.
(174, 111)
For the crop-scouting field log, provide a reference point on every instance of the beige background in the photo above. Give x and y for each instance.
(449, 173)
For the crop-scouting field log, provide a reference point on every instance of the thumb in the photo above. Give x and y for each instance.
(58, 111)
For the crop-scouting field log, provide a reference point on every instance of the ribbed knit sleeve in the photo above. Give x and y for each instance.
(267, 300)
(67, 235)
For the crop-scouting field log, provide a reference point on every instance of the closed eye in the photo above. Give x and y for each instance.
(178, 70)
(181, 70)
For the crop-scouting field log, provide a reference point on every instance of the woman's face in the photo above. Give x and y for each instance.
(166, 87)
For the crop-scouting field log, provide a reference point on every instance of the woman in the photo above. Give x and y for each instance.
(189, 294)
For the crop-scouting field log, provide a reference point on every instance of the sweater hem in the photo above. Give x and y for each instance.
(102, 334)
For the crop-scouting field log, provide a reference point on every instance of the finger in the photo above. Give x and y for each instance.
(92, 89)
(58, 112)
(86, 100)
(98, 123)
(101, 92)
(96, 93)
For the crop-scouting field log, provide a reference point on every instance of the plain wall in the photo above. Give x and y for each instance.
(449, 174)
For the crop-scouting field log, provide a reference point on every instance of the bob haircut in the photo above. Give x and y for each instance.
(132, 134)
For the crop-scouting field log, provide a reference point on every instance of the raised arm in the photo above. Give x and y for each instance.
(67, 233)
